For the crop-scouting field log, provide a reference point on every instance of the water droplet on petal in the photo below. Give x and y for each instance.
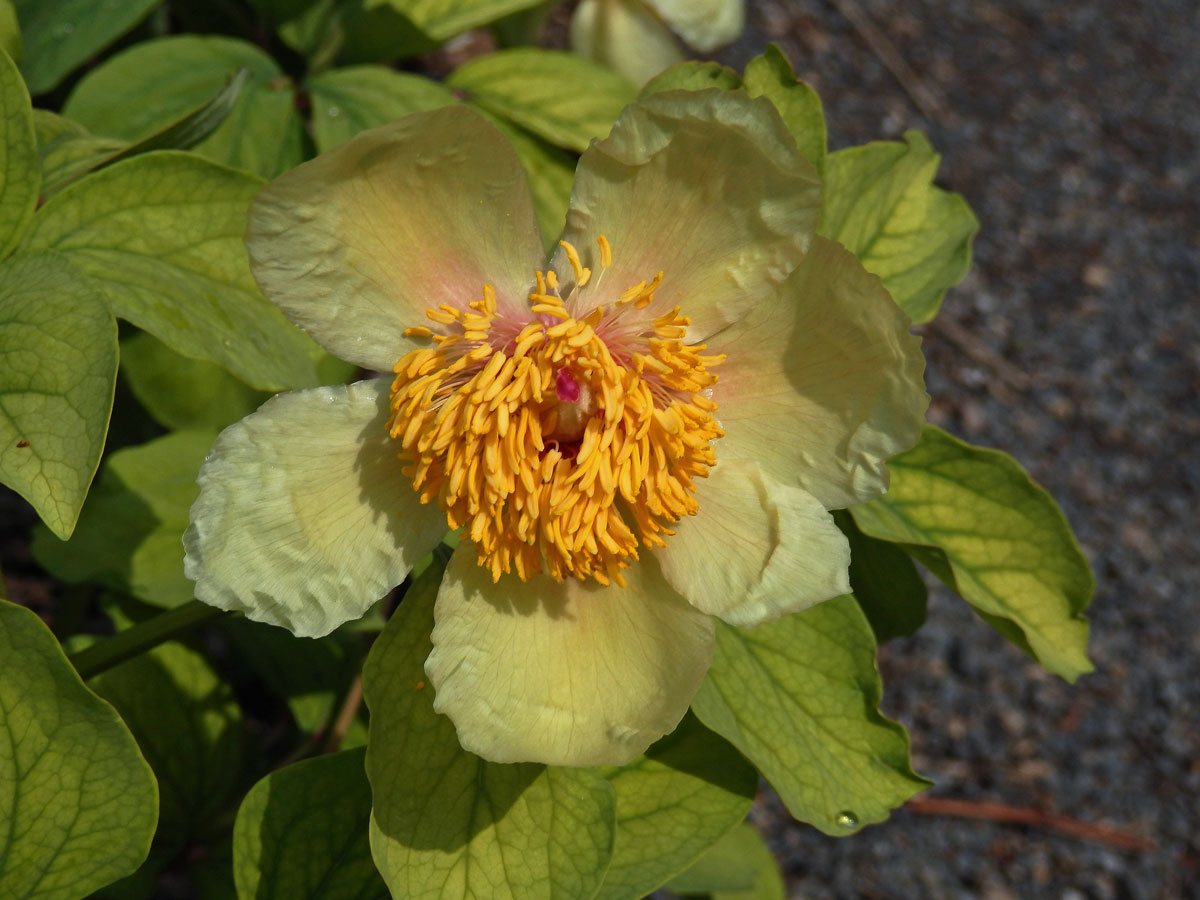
(846, 819)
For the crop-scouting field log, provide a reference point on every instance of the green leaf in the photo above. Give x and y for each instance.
(58, 368)
(150, 86)
(347, 101)
(79, 803)
(442, 19)
(183, 393)
(10, 31)
(68, 150)
(188, 726)
(980, 524)
(738, 867)
(770, 75)
(161, 235)
(311, 674)
(551, 172)
(885, 583)
(350, 34)
(540, 91)
(194, 127)
(301, 834)
(130, 535)
(799, 697)
(60, 35)
(449, 824)
(673, 803)
(276, 12)
(692, 76)
(880, 203)
(19, 167)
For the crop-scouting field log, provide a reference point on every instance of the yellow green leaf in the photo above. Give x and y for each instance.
(540, 91)
(770, 75)
(161, 235)
(692, 76)
(182, 393)
(79, 803)
(19, 168)
(60, 35)
(155, 83)
(442, 19)
(67, 149)
(738, 867)
(799, 697)
(58, 364)
(130, 535)
(347, 101)
(977, 520)
(685, 793)
(10, 31)
(301, 834)
(880, 203)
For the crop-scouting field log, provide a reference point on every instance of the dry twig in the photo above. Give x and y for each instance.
(1025, 815)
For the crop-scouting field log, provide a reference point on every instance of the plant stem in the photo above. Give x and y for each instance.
(106, 653)
(345, 718)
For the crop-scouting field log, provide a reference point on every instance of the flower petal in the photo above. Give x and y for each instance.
(304, 518)
(355, 245)
(822, 382)
(756, 550)
(703, 24)
(567, 674)
(708, 188)
(625, 36)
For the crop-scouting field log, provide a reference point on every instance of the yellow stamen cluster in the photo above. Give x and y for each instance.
(555, 452)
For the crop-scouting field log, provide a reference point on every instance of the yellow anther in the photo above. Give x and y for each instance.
(605, 251)
(582, 273)
(557, 452)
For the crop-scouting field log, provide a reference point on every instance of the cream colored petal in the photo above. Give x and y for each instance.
(706, 187)
(703, 24)
(567, 674)
(756, 550)
(304, 518)
(823, 382)
(624, 35)
(355, 245)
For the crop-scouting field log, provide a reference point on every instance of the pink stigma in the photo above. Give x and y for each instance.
(566, 387)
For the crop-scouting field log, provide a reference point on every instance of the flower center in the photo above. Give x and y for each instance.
(557, 442)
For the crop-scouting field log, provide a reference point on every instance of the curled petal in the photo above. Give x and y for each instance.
(708, 188)
(355, 245)
(563, 673)
(756, 550)
(823, 382)
(304, 518)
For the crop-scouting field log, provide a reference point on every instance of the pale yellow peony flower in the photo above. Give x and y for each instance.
(644, 434)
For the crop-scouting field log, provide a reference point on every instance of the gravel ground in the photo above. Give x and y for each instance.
(1072, 128)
